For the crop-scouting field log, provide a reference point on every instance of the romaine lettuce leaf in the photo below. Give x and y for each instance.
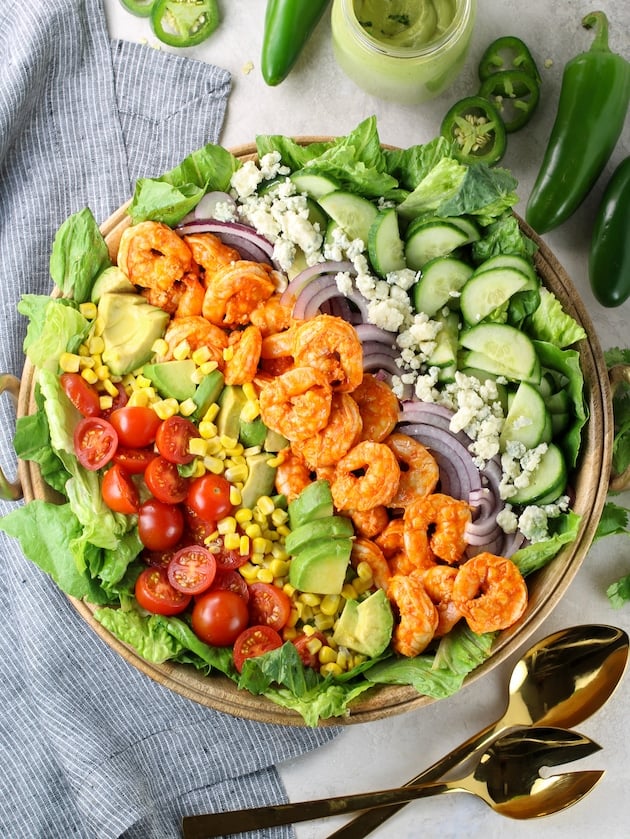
(79, 254)
(563, 530)
(552, 324)
(55, 326)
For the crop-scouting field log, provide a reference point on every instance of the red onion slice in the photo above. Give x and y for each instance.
(234, 234)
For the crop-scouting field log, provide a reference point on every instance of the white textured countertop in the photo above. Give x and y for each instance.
(317, 99)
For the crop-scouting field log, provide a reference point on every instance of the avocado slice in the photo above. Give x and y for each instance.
(252, 432)
(207, 393)
(173, 379)
(231, 402)
(111, 280)
(366, 626)
(314, 502)
(260, 479)
(331, 527)
(275, 442)
(130, 328)
(321, 568)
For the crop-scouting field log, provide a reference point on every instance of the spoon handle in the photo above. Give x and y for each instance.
(366, 822)
(240, 821)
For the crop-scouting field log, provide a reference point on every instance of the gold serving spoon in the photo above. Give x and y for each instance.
(506, 776)
(560, 681)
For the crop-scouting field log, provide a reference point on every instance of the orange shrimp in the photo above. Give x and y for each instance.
(417, 616)
(279, 345)
(391, 539)
(292, 475)
(297, 403)
(435, 526)
(154, 256)
(235, 290)
(365, 550)
(419, 472)
(438, 582)
(378, 406)
(366, 477)
(272, 316)
(490, 592)
(197, 332)
(332, 345)
(342, 431)
(370, 523)
(241, 360)
(210, 252)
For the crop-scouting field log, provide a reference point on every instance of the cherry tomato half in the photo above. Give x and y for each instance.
(197, 530)
(231, 581)
(268, 605)
(119, 491)
(83, 396)
(192, 569)
(160, 525)
(118, 401)
(136, 425)
(209, 497)
(173, 437)
(219, 617)
(134, 461)
(228, 558)
(95, 441)
(254, 641)
(165, 482)
(303, 642)
(155, 594)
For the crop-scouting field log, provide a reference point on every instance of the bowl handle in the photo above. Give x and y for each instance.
(618, 375)
(10, 490)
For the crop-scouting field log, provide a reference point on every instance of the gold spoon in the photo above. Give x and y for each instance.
(560, 681)
(506, 777)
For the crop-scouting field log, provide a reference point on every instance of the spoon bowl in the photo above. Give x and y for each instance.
(506, 776)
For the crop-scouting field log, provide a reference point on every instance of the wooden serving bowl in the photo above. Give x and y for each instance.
(546, 587)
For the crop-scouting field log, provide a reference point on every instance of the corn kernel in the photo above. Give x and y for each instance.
(289, 633)
(361, 586)
(105, 402)
(160, 347)
(279, 567)
(279, 516)
(142, 381)
(344, 659)
(227, 442)
(250, 391)
(259, 516)
(227, 525)
(288, 589)
(211, 413)
(198, 469)
(257, 558)
(232, 541)
(314, 644)
(265, 505)
(242, 515)
(236, 499)
(201, 355)
(324, 622)
(237, 473)
(265, 575)
(102, 372)
(306, 613)
(279, 552)
(139, 397)
(326, 654)
(330, 604)
(243, 546)
(166, 408)
(110, 387)
(69, 362)
(274, 462)
(187, 407)
(83, 350)
(332, 669)
(89, 376)
(197, 446)
(249, 572)
(251, 409)
(283, 530)
(213, 464)
(88, 361)
(181, 351)
(364, 571)
(349, 592)
(228, 354)
(259, 543)
(310, 599)
(207, 429)
(293, 617)
(88, 310)
(254, 531)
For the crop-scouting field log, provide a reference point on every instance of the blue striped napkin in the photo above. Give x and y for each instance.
(89, 746)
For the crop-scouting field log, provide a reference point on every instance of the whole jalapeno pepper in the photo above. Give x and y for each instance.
(594, 99)
(515, 95)
(507, 53)
(475, 128)
(609, 255)
(288, 26)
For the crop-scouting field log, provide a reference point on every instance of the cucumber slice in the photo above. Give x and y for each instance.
(312, 184)
(510, 352)
(468, 226)
(489, 290)
(442, 279)
(528, 420)
(548, 480)
(316, 215)
(509, 260)
(428, 239)
(385, 247)
(446, 343)
(354, 214)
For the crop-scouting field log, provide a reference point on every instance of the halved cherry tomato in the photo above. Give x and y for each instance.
(158, 559)
(134, 461)
(83, 396)
(219, 617)
(95, 441)
(173, 437)
(228, 558)
(231, 581)
(209, 497)
(119, 491)
(197, 530)
(165, 482)
(268, 605)
(254, 641)
(192, 569)
(160, 525)
(310, 658)
(155, 594)
(136, 425)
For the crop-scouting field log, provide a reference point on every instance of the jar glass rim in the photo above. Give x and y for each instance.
(463, 10)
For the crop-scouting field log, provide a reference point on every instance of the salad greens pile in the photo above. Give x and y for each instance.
(92, 553)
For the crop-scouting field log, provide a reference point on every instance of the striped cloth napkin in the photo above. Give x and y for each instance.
(89, 746)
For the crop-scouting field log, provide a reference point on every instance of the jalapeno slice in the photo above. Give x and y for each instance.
(508, 53)
(184, 23)
(475, 128)
(139, 8)
(515, 95)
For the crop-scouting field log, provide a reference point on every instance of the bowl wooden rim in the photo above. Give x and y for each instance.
(546, 587)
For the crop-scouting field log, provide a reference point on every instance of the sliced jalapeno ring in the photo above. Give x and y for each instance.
(139, 8)
(507, 53)
(515, 95)
(475, 128)
(184, 23)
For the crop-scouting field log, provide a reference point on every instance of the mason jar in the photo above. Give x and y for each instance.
(407, 51)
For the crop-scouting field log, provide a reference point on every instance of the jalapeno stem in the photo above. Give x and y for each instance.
(599, 22)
